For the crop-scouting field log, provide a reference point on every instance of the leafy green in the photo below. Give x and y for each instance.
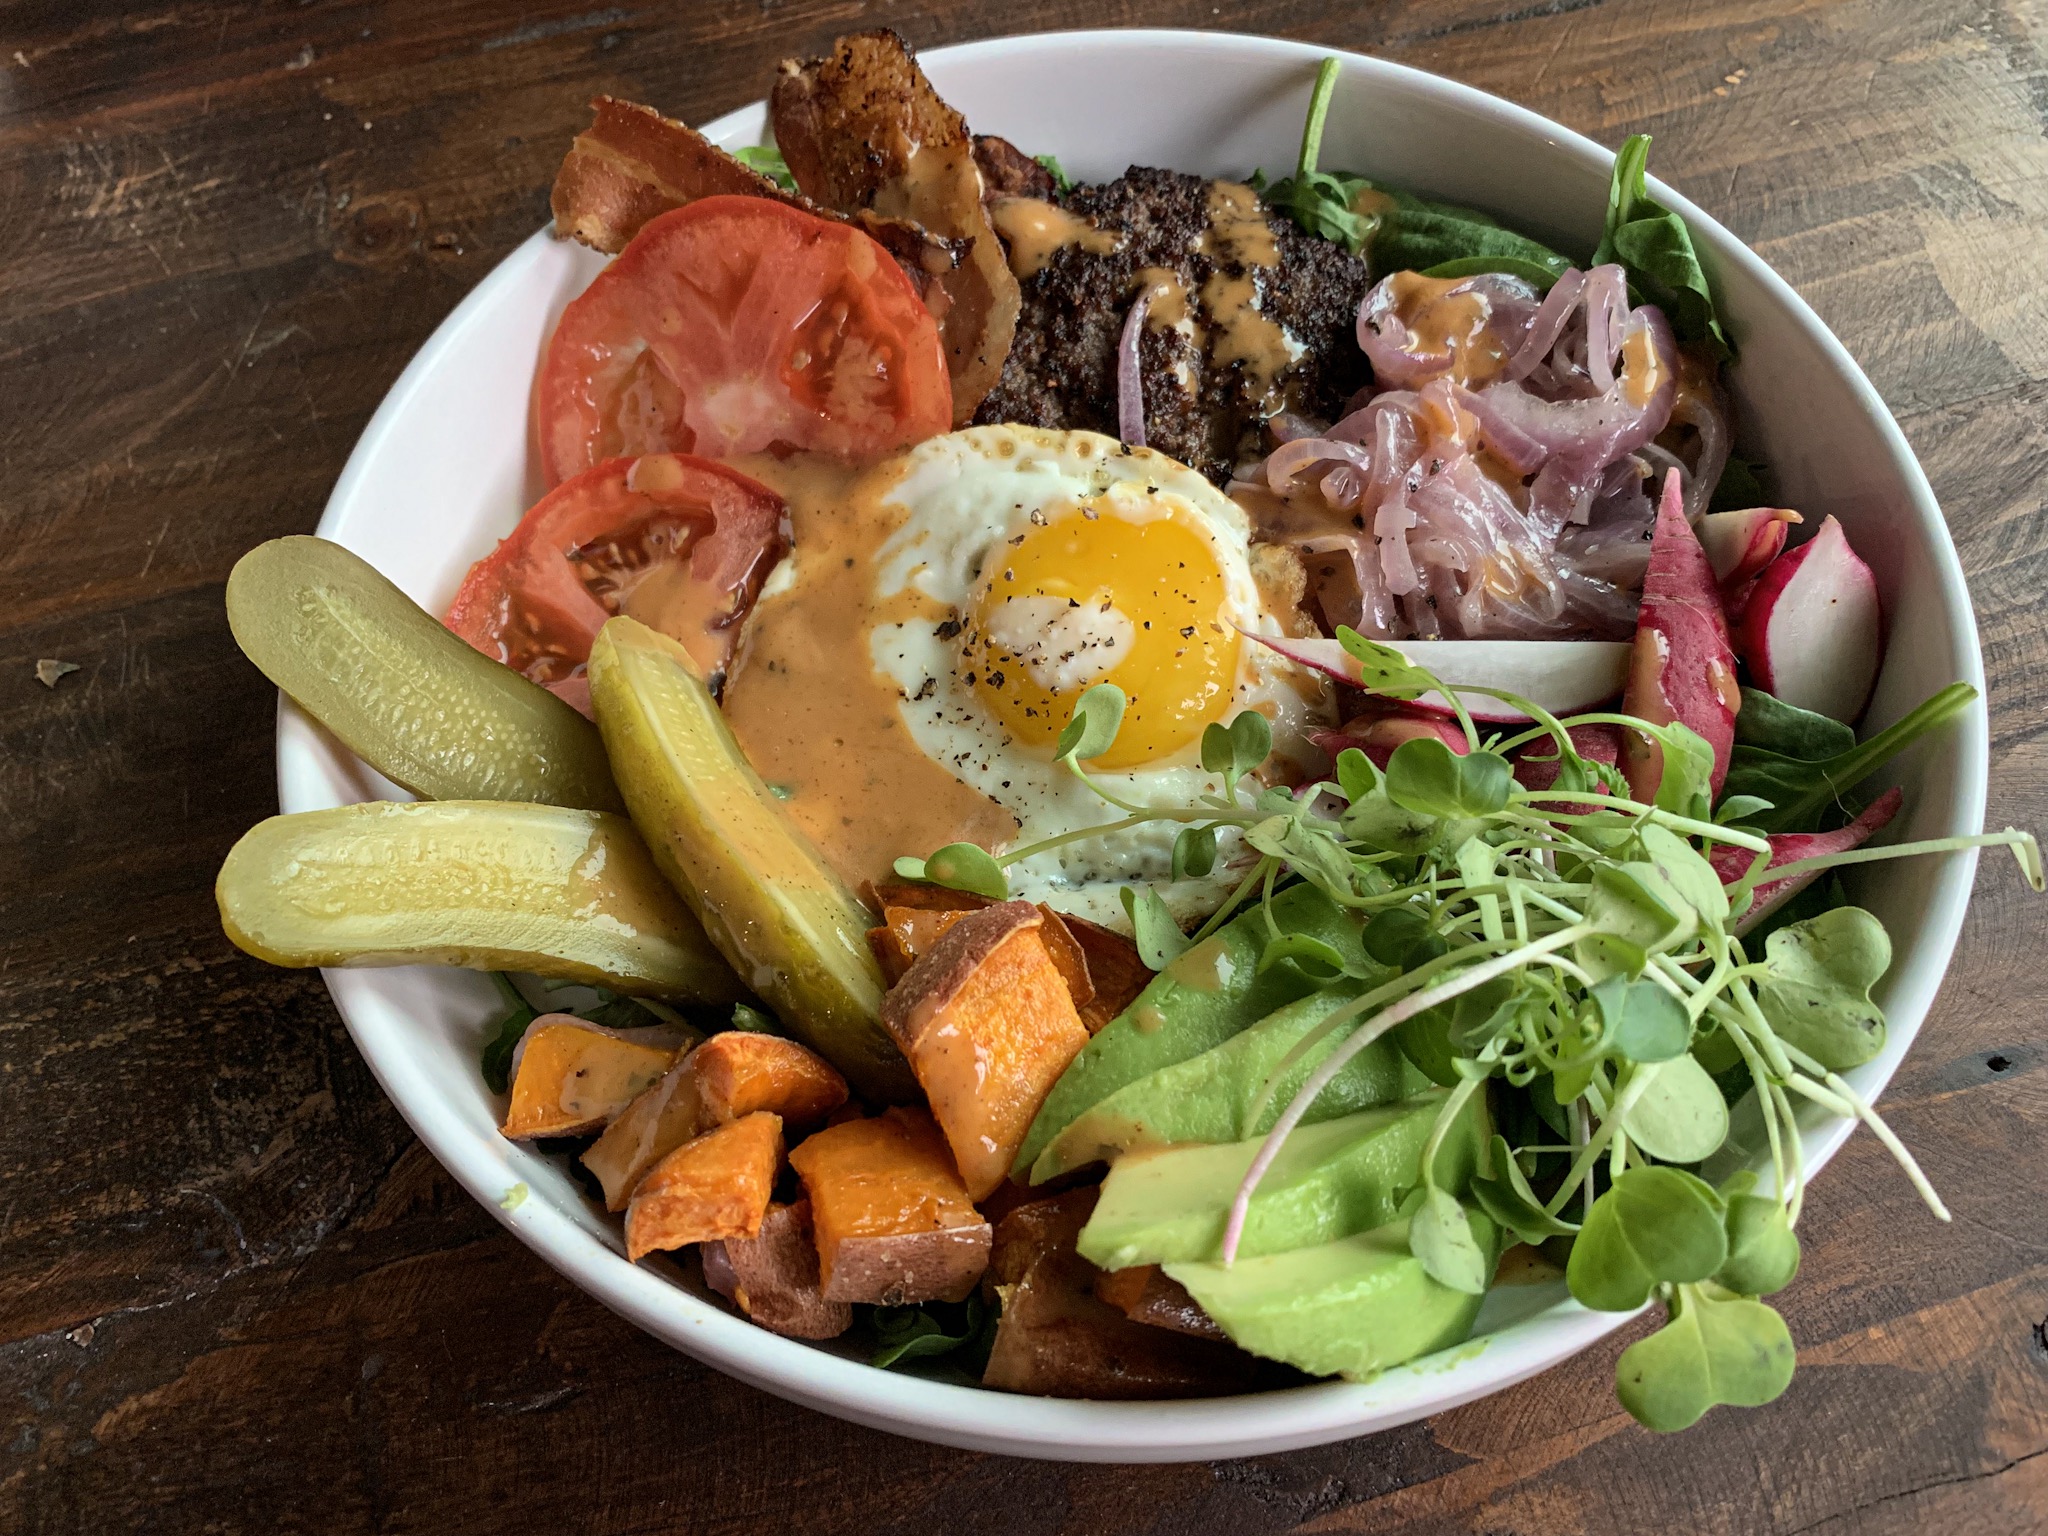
(1678, 1115)
(1817, 996)
(766, 160)
(1194, 853)
(1803, 788)
(753, 1020)
(1508, 1199)
(1741, 485)
(496, 1062)
(1440, 1235)
(1158, 937)
(1058, 172)
(1397, 230)
(1653, 1226)
(1770, 724)
(1763, 1250)
(1098, 716)
(932, 1329)
(1715, 1349)
(1234, 750)
(1427, 777)
(1655, 248)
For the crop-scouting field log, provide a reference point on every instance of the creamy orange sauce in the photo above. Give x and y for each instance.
(1169, 299)
(1207, 967)
(1036, 231)
(1242, 334)
(811, 712)
(1238, 229)
(1642, 370)
(1443, 321)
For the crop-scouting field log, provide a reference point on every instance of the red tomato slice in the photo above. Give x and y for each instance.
(680, 543)
(734, 324)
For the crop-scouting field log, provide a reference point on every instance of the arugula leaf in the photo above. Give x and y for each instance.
(766, 160)
(1655, 248)
(1060, 178)
(496, 1062)
(1803, 788)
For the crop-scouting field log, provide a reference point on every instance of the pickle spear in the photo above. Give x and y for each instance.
(483, 884)
(412, 700)
(790, 927)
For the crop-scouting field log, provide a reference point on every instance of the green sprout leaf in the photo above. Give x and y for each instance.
(1098, 716)
(1158, 937)
(1642, 1022)
(967, 867)
(1401, 937)
(1194, 852)
(1356, 776)
(1058, 172)
(1440, 1236)
(1315, 959)
(1679, 1116)
(1715, 1349)
(1652, 1226)
(1384, 670)
(1686, 870)
(1817, 996)
(1509, 1200)
(1238, 748)
(1427, 777)
(1763, 1250)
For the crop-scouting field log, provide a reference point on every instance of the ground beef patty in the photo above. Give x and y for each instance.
(1204, 402)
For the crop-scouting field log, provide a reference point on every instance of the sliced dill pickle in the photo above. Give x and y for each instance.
(788, 924)
(412, 700)
(484, 884)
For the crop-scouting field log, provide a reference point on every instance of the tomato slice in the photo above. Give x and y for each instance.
(735, 324)
(680, 543)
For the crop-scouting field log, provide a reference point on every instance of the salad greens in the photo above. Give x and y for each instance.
(1572, 953)
(963, 1328)
(608, 1010)
(1803, 763)
(1399, 231)
(1058, 172)
(766, 160)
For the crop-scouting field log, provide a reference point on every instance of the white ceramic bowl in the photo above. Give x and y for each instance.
(443, 470)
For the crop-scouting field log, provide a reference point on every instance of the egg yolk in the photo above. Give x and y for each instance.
(1092, 597)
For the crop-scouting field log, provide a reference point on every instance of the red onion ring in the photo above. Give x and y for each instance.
(1130, 384)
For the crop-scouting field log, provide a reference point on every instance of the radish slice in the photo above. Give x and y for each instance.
(1731, 864)
(1683, 668)
(1377, 737)
(1811, 628)
(1566, 677)
(1740, 544)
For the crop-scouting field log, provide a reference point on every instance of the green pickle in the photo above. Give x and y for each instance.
(412, 700)
(788, 924)
(492, 886)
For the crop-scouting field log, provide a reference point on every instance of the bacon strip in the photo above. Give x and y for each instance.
(863, 131)
(632, 164)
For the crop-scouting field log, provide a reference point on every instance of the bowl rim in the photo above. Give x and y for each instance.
(984, 1419)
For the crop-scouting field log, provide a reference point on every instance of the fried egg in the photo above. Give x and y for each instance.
(1036, 564)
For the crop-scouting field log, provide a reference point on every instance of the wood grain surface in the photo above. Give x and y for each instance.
(236, 1296)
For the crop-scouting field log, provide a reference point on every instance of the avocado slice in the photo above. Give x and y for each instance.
(1352, 1307)
(1330, 1180)
(1209, 994)
(1210, 1097)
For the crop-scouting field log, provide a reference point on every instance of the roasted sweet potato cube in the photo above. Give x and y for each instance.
(714, 1186)
(987, 1023)
(773, 1276)
(728, 1076)
(893, 1222)
(1114, 970)
(1055, 1337)
(574, 1077)
(1145, 1293)
(1068, 958)
(739, 1072)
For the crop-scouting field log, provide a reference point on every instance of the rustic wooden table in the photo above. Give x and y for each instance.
(235, 1294)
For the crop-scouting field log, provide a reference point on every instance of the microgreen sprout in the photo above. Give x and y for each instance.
(1573, 945)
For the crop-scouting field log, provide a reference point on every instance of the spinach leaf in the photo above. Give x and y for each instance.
(1768, 722)
(1655, 248)
(932, 1329)
(1058, 172)
(496, 1061)
(1801, 789)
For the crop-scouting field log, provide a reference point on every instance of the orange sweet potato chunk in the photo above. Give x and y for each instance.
(728, 1076)
(574, 1078)
(892, 1221)
(715, 1186)
(987, 1023)
(773, 1276)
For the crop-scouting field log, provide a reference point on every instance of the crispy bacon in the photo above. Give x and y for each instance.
(632, 164)
(863, 131)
